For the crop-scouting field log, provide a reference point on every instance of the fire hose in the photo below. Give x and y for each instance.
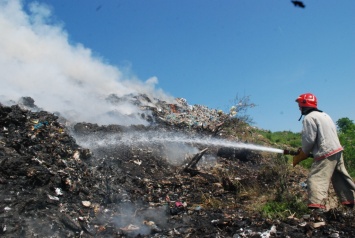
(295, 152)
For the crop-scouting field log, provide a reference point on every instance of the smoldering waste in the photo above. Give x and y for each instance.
(52, 187)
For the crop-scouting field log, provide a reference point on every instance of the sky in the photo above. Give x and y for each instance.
(209, 52)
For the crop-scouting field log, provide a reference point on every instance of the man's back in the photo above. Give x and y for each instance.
(319, 135)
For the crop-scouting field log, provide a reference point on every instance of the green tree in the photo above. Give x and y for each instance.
(346, 129)
(345, 124)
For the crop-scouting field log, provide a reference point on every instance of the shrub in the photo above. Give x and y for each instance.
(346, 129)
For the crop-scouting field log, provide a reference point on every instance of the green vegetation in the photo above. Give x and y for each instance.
(285, 200)
(288, 138)
(346, 129)
(290, 205)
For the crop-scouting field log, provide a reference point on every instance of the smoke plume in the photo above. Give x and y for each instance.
(38, 61)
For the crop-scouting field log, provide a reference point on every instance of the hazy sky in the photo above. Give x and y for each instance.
(205, 51)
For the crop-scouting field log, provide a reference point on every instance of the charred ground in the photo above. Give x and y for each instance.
(52, 185)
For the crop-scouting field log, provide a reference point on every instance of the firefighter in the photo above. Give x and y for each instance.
(319, 137)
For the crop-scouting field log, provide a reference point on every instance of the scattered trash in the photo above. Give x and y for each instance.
(139, 162)
(6, 209)
(69, 190)
(53, 197)
(269, 233)
(40, 124)
(179, 204)
(86, 203)
(152, 225)
(318, 224)
(191, 166)
(334, 235)
(130, 228)
(303, 185)
(58, 191)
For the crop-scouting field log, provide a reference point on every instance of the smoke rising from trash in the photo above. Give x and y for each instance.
(38, 60)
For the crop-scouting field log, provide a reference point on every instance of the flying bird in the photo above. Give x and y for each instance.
(298, 4)
(98, 8)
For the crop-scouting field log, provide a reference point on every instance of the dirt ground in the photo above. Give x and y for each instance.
(86, 180)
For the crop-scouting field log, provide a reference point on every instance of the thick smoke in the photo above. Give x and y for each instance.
(38, 61)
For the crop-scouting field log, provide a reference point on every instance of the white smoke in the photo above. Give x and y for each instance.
(38, 61)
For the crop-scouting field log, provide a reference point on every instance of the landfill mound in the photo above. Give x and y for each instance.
(87, 180)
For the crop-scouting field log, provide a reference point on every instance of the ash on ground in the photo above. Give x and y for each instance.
(87, 180)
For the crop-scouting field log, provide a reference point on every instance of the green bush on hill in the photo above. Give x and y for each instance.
(288, 138)
(346, 129)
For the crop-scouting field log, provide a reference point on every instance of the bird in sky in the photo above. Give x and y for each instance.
(298, 4)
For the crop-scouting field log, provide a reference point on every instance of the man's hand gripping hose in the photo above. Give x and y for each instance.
(298, 156)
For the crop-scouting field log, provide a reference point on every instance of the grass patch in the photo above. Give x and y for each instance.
(286, 206)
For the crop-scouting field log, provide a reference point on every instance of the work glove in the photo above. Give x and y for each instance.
(299, 157)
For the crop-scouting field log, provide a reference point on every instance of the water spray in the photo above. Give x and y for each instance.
(162, 138)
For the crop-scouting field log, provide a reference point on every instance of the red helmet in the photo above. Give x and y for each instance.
(307, 100)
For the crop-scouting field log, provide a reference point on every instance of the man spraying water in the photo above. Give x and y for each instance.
(319, 137)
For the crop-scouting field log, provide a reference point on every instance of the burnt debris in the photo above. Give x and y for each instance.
(53, 187)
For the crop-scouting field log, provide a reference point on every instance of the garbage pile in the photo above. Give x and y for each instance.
(192, 116)
(51, 186)
(178, 114)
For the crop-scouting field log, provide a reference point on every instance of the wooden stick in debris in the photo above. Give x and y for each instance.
(195, 159)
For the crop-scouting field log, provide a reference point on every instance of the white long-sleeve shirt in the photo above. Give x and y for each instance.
(319, 135)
